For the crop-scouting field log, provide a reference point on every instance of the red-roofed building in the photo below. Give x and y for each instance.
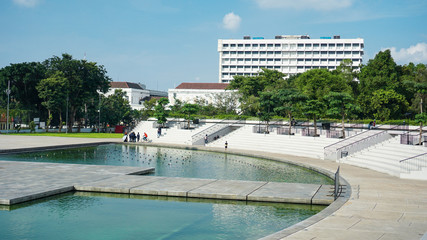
(189, 92)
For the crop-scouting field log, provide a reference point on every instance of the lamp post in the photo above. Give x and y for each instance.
(7, 117)
(99, 114)
(66, 116)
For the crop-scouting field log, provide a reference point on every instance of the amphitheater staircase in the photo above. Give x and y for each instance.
(297, 145)
(385, 157)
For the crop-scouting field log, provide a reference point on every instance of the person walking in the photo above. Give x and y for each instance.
(206, 139)
(159, 132)
(138, 137)
(226, 145)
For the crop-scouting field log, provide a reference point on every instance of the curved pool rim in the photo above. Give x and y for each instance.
(329, 210)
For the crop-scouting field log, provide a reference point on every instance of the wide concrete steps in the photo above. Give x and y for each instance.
(385, 157)
(170, 135)
(285, 144)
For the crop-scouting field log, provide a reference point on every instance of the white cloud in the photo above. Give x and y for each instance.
(322, 5)
(231, 21)
(26, 3)
(415, 54)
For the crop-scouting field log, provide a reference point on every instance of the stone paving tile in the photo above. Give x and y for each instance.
(118, 184)
(226, 189)
(285, 192)
(171, 186)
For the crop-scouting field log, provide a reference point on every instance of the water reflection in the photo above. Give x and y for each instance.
(172, 162)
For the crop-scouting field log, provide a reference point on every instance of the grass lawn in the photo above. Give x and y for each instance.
(79, 135)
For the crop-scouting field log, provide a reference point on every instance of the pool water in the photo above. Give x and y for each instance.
(118, 216)
(171, 162)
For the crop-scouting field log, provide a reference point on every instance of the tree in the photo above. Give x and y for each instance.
(115, 108)
(160, 112)
(313, 109)
(340, 105)
(387, 104)
(267, 105)
(85, 80)
(317, 83)
(380, 73)
(346, 71)
(291, 100)
(23, 78)
(189, 109)
(250, 88)
(226, 102)
(53, 92)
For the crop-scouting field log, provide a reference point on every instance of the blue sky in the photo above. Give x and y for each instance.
(162, 43)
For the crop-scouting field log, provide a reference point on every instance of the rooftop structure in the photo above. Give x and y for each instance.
(290, 54)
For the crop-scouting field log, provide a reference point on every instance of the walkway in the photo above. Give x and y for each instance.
(380, 206)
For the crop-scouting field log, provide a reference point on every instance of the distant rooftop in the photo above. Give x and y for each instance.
(202, 86)
(126, 85)
(293, 37)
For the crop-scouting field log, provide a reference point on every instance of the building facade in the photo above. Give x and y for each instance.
(136, 93)
(190, 92)
(289, 54)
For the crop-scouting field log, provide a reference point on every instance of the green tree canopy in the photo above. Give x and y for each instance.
(189, 110)
(85, 80)
(23, 78)
(53, 92)
(115, 109)
(317, 83)
(340, 105)
(388, 104)
(160, 112)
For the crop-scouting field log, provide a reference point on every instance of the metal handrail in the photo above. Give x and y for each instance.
(201, 134)
(358, 143)
(344, 140)
(406, 166)
(376, 134)
(409, 158)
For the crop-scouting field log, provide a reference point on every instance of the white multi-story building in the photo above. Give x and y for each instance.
(290, 54)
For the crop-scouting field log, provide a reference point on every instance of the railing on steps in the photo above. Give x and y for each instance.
(415, 163)
(213, 131)
(337, 189)
(261, 127)
(412, 137)
(332, 152)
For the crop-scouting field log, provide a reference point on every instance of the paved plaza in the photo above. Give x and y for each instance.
(380, 206)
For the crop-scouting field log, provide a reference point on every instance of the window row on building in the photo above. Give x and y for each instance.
(226, 46)
(288, 53)
(252, 61)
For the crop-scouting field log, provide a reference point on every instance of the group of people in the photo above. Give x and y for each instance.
(132, 137)
(371, 124)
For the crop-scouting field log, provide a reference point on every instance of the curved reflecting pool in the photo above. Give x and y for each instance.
(172, 162)
(112, 216)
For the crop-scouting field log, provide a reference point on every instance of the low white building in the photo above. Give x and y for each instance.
(191, 92)
(136, 93)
